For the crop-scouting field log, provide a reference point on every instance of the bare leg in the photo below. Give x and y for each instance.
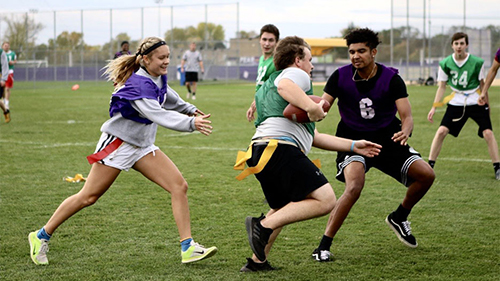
(98, 182)
(424, 177)
(161, 170)
(437, 142)
(489, 137)
(354, 182)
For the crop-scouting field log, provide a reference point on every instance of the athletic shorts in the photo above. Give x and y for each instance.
(394, 159)
(10, 81)
(289, 176)
(191, 76)
(480, 114)
(125, 156)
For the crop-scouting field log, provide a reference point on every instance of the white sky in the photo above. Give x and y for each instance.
(305, 18)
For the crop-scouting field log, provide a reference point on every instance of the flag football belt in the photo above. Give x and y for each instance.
(271, 145)
(98, 156)
(449, 97)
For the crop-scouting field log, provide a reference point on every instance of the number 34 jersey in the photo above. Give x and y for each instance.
(463, 77)
(366, 105)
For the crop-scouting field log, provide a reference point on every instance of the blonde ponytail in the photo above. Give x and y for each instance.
(121, 68)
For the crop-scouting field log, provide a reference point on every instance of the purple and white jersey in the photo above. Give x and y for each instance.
(366, 105)
(137, 87)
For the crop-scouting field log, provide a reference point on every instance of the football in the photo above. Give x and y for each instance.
(300, 116)
(75, 87)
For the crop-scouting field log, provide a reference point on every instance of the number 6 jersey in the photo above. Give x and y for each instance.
(366, 105)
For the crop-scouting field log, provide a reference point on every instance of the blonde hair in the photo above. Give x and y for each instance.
(121, 68)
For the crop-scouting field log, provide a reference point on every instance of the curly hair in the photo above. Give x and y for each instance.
(121, 68)
(287, 50)
(363, 35)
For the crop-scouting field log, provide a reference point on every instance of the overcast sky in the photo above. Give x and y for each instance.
(310, 19)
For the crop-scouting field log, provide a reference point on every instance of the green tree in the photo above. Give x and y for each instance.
(22, 33)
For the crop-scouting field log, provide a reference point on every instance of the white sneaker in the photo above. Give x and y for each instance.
(188, 95)
(197, 252)
(194, 97)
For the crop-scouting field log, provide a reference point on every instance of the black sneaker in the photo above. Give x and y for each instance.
(257, 236)
(322, 255)
(402, 230)
(252, 266)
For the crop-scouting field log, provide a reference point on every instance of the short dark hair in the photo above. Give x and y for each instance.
(363, 35)
(123, 43)
(270, 28)
(287, 50)
(458, 36)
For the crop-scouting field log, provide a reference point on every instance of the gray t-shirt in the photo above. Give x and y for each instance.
(192, 61)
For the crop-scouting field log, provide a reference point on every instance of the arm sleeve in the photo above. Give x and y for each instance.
(169, 119)
(397, 88)
(5, 66)
(297, 75)
(174, 102)
(442, 76)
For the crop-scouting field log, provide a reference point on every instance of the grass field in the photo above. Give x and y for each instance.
(130, 234)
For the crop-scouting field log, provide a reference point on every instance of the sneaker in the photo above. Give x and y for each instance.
(497, 174)
(194, 97)
(322, 255)
(252, 266)
(38, 249)
(6, 114)
(257, 237)
(188, 95)
(402, 230)
(197, 252)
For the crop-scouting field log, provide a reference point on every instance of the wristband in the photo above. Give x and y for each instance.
(352, 146)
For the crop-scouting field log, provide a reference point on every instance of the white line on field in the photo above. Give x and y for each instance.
(35, 145)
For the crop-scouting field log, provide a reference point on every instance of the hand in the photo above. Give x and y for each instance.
(251, 112)
(400, 137)
(431, 114)
(316, 112)
(202, 124)
(483, 99)
(367, 148)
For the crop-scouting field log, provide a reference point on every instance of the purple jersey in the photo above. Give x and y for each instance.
(369, 110)
(136, 87)
(497, 56)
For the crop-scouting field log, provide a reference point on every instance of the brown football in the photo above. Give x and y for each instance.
(300, 116)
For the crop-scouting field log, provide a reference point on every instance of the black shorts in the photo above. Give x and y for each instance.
(394, 159)
(191, 76)
(480, 114)
(289, 176)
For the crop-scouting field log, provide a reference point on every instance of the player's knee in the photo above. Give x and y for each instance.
(180, 188)
(488, 134)
(353, 190)
(442, 131)
(87, 200)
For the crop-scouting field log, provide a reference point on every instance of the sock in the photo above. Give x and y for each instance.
(326, 243)
(42, 234)
(401, 213)
(496, 166)
(432, 163)
(186, 243)
(194, 93)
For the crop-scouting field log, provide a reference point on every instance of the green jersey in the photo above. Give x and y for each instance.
(269, 103)
(462, 78)
(11, 56)
(266, 67)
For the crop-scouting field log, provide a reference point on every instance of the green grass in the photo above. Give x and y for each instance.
(130, 234)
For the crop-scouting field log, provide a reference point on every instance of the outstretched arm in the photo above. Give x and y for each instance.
(333, 143)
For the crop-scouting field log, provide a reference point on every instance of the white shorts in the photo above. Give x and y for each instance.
(125, 156)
